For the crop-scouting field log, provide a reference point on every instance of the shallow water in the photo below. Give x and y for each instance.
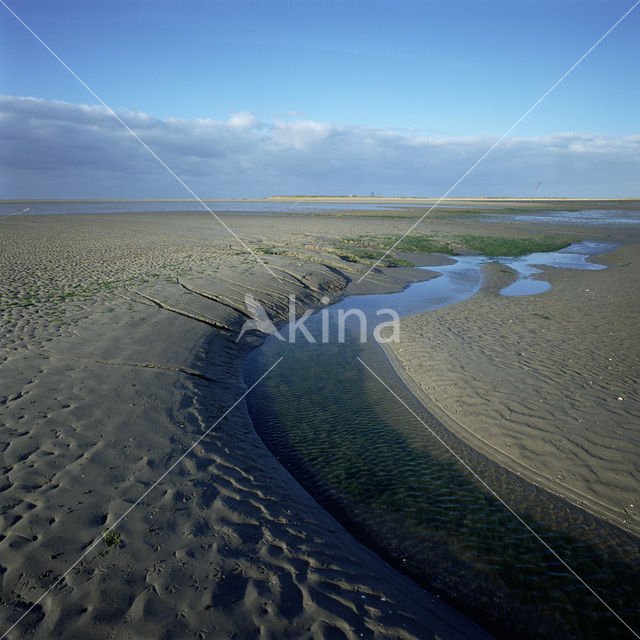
(459, 280)
(588, 217)
(42, 207)
(574, 257)
(380, 470)
(47, 207)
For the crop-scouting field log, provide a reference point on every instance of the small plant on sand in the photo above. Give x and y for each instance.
(409, 244)
(493, 246)
(111, 539)
(490, 246)
(359, 251)
(419, 244)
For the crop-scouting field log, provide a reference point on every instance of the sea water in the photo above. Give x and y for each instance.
(382, 469)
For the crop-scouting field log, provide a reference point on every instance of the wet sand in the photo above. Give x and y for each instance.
(117, 352)
(546, 385)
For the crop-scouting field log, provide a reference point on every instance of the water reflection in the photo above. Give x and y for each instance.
(378, 470)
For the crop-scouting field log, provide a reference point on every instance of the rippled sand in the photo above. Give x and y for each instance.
(117, 351)
(547, 384)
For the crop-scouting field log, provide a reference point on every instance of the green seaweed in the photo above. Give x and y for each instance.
(490, 246)
(494, 246)
(111, 539)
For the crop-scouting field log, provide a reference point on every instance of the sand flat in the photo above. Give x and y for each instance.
(547, 384)
(117, 351)
(112, 363)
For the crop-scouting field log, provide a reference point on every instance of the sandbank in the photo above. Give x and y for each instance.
(117, 352)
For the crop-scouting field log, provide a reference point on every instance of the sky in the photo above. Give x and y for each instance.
(254, 98)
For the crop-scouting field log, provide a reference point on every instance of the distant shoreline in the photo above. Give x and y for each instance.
(459, 199)
(410, 199)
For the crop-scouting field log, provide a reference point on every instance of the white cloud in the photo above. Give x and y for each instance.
(243, 120)
(56, 149)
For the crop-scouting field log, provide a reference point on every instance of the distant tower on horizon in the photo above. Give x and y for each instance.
(373, 195)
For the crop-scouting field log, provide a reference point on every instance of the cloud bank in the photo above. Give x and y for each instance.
(61, 150)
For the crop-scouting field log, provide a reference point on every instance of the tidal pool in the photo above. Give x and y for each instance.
(376, 467)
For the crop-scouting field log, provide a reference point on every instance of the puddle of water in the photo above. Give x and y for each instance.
(526, 287)
(573, 257)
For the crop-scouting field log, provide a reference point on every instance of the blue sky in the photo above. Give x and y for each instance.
(444, 70)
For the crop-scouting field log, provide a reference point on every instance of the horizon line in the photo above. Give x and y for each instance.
(319, 197)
